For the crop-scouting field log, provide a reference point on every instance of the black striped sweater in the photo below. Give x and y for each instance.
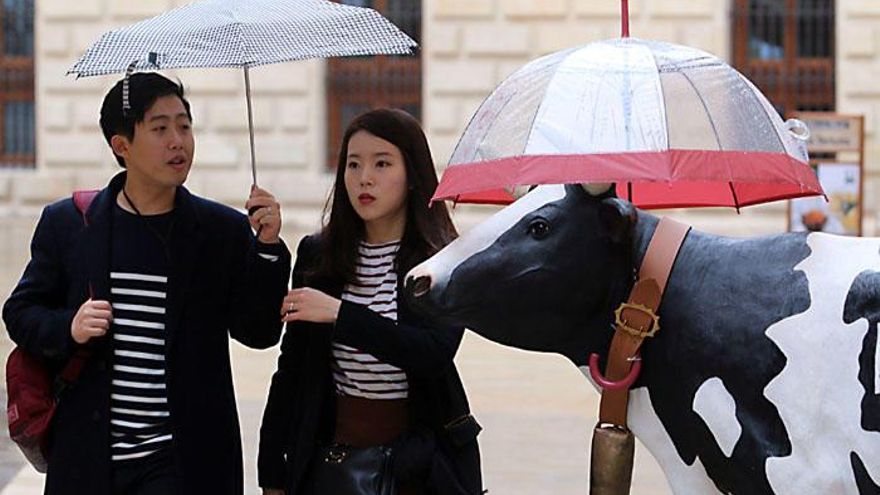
(355, 372)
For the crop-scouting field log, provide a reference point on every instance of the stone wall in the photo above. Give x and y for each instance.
(469, 46)
(858, 87)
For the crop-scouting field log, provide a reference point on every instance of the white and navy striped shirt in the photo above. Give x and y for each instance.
(139, 413)
(357, 373)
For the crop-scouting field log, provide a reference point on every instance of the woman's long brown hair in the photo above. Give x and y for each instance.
(428, 227)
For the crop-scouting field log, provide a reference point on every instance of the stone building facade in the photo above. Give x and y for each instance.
(468, 47)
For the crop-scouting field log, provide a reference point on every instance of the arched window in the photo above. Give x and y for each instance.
(17, 84)
(786, 47)
(357, 84)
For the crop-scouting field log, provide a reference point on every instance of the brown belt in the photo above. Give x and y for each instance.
(637, 318)
(367, 422)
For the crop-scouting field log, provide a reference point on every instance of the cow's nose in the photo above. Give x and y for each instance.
(419, 285)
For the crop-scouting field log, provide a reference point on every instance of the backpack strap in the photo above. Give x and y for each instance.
(82, 200)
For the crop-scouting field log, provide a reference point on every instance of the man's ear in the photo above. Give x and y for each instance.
(618, 218)
(119, 144)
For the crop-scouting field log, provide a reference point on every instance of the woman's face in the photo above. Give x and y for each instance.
(375, 179)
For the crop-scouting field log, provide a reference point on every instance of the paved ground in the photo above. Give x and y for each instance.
(537, 410)
(11, 460)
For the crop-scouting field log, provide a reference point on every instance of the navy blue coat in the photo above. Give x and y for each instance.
(217, 286)
(440, 452)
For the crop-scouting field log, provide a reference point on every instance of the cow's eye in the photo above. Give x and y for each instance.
(539, 228)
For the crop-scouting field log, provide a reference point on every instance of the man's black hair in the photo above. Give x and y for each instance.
(144, 89)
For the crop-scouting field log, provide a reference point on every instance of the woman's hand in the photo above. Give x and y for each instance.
(307, 304)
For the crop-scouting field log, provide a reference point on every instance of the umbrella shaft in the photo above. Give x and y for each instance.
(250, 111)
(624, 18)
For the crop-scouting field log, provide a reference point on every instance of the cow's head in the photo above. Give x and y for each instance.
(543, 274)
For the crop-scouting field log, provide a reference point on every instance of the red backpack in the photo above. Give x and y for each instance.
(34, 390)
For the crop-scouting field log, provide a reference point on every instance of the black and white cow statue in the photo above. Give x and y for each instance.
(764, 375)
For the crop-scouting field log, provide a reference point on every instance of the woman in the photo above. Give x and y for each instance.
(360, 374)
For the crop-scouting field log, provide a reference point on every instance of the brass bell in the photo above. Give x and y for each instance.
(611, 462)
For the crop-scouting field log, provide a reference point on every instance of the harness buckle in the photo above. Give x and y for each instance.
(649, 329)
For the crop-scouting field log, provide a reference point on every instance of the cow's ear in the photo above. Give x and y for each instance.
(618, 218)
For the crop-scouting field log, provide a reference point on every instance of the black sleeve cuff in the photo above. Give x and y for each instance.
(351, 317)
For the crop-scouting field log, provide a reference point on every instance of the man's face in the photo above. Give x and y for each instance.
(161, 152)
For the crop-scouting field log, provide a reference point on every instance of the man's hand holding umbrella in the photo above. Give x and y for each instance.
(264, 215)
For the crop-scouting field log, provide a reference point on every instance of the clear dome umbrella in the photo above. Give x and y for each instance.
(670, 125)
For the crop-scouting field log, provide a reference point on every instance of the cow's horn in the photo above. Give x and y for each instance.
(518, 191)
(597, 189)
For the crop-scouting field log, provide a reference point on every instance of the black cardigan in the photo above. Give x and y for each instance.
(217, 286)
(441, 449)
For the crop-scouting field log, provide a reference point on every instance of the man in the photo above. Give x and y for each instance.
(152, 287)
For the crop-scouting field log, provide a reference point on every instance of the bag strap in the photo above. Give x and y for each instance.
(637, 318)
(82, 200)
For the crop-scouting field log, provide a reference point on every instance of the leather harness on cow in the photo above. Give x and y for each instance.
(613, 443)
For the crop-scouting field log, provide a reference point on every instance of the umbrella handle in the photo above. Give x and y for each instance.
(247, 94)
(250, 111)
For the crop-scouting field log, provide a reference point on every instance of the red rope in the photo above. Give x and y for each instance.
(624, 18)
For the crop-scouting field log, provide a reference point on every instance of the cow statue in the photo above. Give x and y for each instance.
(763, 377)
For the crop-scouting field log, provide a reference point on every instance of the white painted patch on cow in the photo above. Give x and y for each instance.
(818, 393)
(683, 479)
(716, 406)
(441, 265)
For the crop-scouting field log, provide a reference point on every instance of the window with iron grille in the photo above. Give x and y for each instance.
(17, 84)
(358, 84)
(786, 47)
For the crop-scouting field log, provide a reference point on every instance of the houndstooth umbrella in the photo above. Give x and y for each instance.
(243, 33)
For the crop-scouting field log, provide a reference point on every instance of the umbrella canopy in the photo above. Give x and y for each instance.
(243, 33)
(672, 126)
